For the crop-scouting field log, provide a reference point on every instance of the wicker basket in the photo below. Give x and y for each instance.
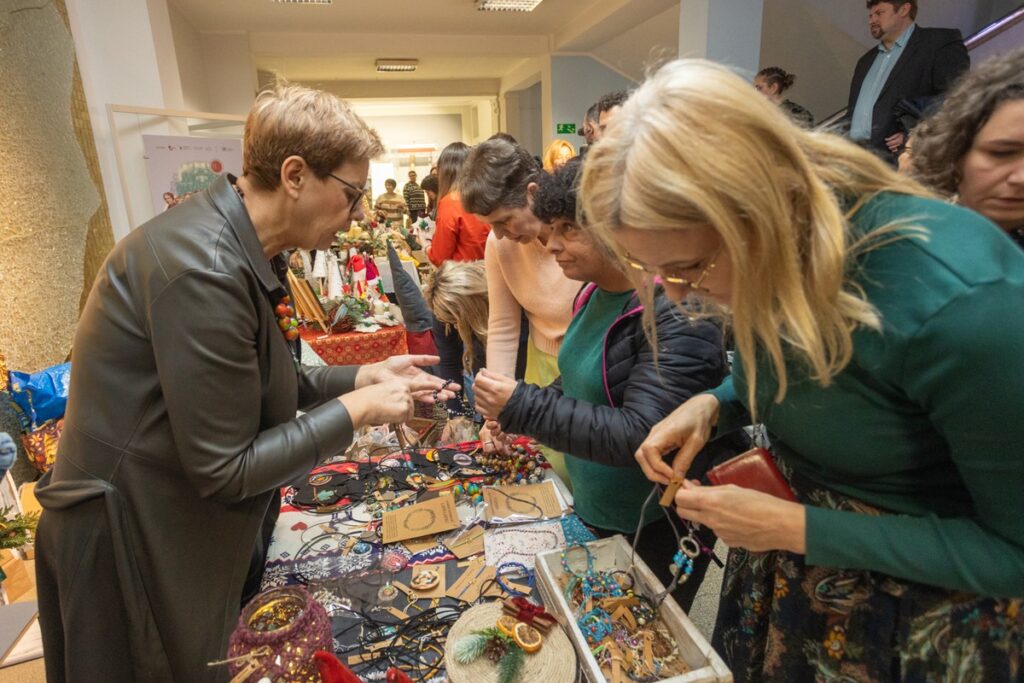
(612, 554)
(554, 663)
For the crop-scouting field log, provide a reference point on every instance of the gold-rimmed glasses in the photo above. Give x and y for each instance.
(676, 278)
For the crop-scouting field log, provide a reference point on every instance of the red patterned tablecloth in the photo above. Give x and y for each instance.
(356, 348)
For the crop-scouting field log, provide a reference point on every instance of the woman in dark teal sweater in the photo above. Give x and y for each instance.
(879, 337)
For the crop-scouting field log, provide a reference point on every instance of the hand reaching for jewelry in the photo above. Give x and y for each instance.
(687, 428)
(744, 518)
(387, 402)
(407, 367)
(492, 392)
(493, 439)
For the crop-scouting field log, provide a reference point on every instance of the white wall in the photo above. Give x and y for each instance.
(188, 48)
(125, 70)
(725, 31)
(486, 112)
(645, 46)
(230, 72)
(524, 118)
(576, 83)
(437, 129)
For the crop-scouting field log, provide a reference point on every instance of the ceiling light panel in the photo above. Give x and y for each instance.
(396, 65)
(507, 5)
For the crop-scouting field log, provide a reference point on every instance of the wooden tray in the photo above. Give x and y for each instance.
(611, 554)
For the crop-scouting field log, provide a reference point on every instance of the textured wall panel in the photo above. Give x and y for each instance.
(56, 230)
(54, 225)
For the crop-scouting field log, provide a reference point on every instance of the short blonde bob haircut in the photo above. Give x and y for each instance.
(554, 151)
(731, 160)
(290, 120)
(457, 295)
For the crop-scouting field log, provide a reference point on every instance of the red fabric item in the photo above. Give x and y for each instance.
(458, 235)
(529, 612)
(421, 343)
(332, 670)
(356, 348)
(396, 676)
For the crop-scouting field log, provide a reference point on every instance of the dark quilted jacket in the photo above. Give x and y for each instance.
(691, 359)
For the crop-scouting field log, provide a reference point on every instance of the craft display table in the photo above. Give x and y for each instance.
(402, 546)
(356, 348)
(344, 565)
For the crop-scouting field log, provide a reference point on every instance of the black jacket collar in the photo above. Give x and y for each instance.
(229, 204)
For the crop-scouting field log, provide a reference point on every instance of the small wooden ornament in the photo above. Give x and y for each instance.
(668, 498)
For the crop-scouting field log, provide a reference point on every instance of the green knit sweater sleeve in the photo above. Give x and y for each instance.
(965, 367)
(732, 413)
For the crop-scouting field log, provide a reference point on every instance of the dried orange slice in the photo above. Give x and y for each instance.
(507, 625)
(527, 637)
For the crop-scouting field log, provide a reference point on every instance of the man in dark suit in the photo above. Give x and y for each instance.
(912, 65)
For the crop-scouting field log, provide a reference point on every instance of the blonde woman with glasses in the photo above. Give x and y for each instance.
(864, 314)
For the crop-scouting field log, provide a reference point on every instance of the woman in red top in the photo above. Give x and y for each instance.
(458, 235)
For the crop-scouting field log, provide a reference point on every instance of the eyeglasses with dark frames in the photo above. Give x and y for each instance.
(360, 191)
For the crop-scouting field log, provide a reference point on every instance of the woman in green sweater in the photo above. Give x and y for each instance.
(878, 339)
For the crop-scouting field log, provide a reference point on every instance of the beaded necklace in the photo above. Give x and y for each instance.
(593, 583)
(284, 310)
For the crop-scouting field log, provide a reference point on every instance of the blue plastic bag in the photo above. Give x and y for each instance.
(41, 396)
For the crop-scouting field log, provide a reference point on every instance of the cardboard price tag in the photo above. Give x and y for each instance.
(428, 518)
(532, 501)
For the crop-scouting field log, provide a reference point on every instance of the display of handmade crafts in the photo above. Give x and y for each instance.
(520, 467)
(397, 477)
(357, 275)
(277, 635)
(622, 626)
(518, 632)
(346, 312)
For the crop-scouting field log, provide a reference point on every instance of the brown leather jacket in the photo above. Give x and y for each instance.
(181, 424)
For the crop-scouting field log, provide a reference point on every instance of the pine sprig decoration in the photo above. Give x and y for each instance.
(16, 530)
(470, 648)
(497, 646)
(511, 665)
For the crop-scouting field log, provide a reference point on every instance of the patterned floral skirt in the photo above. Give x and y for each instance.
(782, 620)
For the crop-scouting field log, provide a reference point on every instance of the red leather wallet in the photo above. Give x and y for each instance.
(755, 470)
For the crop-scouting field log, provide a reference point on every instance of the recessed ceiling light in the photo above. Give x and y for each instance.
(302, 2)
(394, 65)
(507, 5)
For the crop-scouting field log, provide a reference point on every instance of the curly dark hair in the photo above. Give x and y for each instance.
(556, 195)
(943, 140)
(611, 100)
(775, 75)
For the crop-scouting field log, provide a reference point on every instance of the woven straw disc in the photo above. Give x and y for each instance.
(553, 663)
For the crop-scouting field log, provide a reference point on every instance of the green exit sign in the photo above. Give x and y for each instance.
(565, 128)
